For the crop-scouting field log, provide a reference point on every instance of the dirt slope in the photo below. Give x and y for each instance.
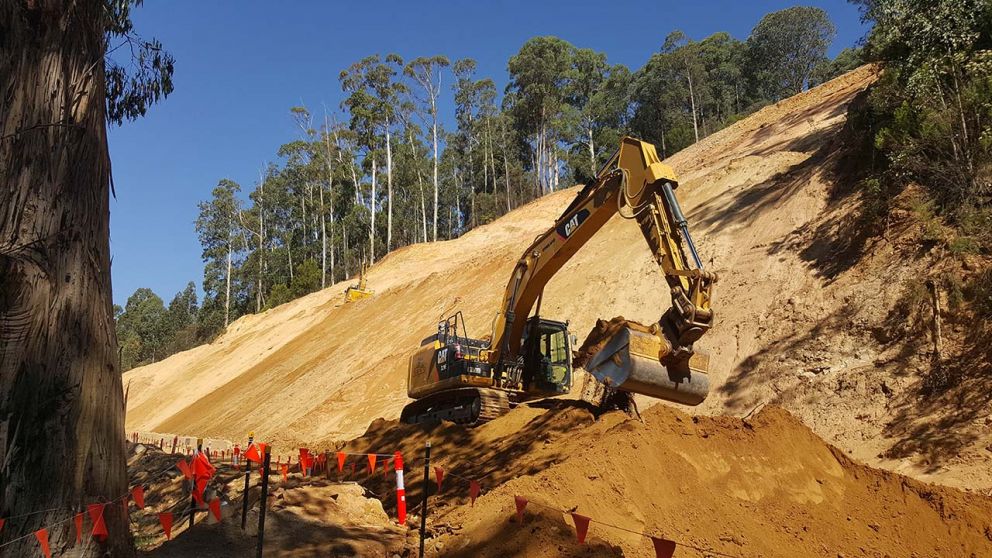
(767, 486)
(793, 314)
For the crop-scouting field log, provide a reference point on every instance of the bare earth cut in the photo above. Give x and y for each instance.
(799, 350)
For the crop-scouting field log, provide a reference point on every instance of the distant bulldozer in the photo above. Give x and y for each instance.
(359, 291)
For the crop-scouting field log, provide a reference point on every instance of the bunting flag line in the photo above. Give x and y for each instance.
(372, 458)
(42, 536)
(96, 517)
(184, 467)
(255, 452)
(165, 518)
(201, 485)
(385, 468)
(215, 508)
(202, 467)
(473, 491)
(285, 472)
(341, 458)
(79, 527)
(439, 473)
(138, 492)
(521, 503)
(581, 527)
(663, 548)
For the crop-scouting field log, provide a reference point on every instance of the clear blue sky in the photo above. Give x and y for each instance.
(241, 65)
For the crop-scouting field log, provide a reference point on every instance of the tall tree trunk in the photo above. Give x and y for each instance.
(420, 184)
(592, 154)
(692, 102)
(227, 275)
(389, 192)
(61, 399)
(323, 241)
(506, 169)
(434, 141)
(372, 221)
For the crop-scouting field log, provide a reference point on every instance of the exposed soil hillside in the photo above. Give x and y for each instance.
(800, 306)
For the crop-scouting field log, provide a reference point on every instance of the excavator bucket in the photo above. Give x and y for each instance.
(628, 356)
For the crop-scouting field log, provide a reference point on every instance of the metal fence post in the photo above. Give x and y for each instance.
(427, 489)
(263, 503)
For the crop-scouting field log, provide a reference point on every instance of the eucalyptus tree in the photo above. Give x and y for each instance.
(539, 74)
(217, 229)
(426, 72)
(61, 399)
(786, 46)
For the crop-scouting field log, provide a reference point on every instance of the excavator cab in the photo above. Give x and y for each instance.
(547, 354)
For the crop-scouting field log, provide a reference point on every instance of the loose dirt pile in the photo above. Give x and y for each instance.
(720, 486)
(798, 308)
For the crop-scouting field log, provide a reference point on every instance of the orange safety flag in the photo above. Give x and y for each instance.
(42, 536)
(581, 527)
(202, 467)
(439, 473)
(285, 472)
(372, 458)
(473, 491)
(165, 518)
(184, 467)
(663, 548)
(96, 517)
(79, 527)
(138, 492)
(341, 458)
(521, 503)
(201, 485)
(215, 508)
(385, 467)
(255, 452)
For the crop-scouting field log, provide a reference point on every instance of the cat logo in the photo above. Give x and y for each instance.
(566, 229)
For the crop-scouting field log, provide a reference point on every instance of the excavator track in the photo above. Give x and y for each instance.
(468, 406)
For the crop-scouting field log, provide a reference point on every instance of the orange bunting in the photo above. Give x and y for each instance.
(473, 491)
(165, 518)
(184, 467)
(255, 452)
(663, 548)
(215, 508)
(138, 492)
(439, 473)
(581, 527)
(96, 517)
(201, 485)
(202, 467)
(79, 527)
(341, 458)
(42, 536)
(385, 468)
(521, 503)
(285, 472)
(372, 458)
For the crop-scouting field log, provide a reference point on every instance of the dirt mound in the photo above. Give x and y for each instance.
(798, 307)
(766, 486)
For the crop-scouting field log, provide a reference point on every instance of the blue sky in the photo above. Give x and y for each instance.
(241, 65)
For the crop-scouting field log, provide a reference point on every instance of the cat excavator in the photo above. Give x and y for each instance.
(467, 380)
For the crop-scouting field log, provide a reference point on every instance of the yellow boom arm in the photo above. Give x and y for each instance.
(639, 186)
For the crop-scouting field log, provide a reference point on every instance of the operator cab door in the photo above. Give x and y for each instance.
(548, 357)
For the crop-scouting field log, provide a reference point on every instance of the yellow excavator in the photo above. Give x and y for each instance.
(466, 380)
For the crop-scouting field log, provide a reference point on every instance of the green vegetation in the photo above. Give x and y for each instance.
(385, 174)
(928, 117)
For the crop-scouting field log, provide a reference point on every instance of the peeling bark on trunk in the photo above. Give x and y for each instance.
(61, 400)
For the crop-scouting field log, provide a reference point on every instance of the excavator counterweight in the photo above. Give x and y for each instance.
(456, 377)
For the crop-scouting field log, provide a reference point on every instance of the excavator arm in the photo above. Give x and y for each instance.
(656, 360)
